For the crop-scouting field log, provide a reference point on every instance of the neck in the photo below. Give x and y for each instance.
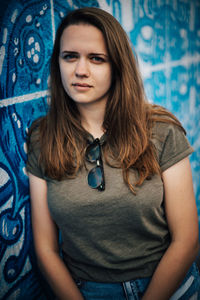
(92, 119)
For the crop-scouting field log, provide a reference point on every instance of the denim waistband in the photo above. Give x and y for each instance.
(134, 289)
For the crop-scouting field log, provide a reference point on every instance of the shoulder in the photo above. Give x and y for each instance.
(33, 137)
(170, 142)
(163, 122)
(162, 129)
(34, 150)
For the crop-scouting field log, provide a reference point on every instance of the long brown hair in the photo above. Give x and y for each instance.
(128, 117)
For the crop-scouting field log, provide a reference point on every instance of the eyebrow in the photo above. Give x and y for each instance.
(93, 53)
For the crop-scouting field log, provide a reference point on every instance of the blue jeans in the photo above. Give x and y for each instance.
(134, 289)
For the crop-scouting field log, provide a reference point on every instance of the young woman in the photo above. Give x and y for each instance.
(112, 173)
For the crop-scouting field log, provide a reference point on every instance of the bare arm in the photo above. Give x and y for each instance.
(46, 244)
(182, 220)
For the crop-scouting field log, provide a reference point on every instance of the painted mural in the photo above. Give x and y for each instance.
(166, 37)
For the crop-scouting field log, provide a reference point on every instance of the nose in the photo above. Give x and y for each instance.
(82, 68)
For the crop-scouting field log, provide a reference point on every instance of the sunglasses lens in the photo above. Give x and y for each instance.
(95, 177)
(93, 153)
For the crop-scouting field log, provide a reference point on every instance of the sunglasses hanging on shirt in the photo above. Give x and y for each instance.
(96, 178)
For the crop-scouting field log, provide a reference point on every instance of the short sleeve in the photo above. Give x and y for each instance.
(171, 144)
(32, 164)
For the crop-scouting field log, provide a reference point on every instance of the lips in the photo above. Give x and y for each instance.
(81, 85)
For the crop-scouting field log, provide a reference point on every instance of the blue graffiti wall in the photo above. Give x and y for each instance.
(166, 36)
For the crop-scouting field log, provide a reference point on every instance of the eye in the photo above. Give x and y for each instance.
(97, 59)
(70, 57)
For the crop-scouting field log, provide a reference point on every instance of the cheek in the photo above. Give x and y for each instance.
(108, 78)
(103, 76)
(64, 77)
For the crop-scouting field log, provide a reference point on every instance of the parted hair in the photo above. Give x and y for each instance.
(128, 119)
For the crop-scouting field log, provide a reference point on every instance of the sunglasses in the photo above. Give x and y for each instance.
(96, 178)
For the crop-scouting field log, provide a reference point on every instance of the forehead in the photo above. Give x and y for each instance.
(82, 36)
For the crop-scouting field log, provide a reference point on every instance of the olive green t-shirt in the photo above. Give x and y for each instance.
(114, 235)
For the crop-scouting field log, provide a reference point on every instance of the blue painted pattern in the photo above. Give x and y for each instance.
(166, 37)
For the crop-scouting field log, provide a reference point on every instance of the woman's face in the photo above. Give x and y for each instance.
(84, 64)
